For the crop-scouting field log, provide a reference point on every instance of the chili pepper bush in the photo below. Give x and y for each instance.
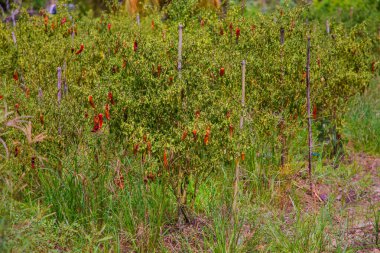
(126, 112)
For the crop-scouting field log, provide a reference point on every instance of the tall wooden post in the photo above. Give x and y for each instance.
(308, 113)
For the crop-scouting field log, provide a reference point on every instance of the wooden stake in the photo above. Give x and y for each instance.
(179, 66)
(59, 85)
(327, 27)
(237, 167)
(308, 112)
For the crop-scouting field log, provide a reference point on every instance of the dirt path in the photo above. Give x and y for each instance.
(362, 204)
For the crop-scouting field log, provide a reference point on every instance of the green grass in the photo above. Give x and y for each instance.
(363, 120)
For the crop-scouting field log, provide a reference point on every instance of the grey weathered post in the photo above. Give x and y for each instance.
(179, 66)
(138, 19)
(237, 166)
(59, 85)
(308, 111)
(327, 27)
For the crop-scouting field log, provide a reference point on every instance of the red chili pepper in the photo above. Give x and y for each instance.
(1, 97)
(107, 112)
(207, 136)
(242, 156)
(100, 116)
(27, 92)
(63, 20)
(46, 19)
(152, 24)
(109, 26)
(17, 151)
(231, 130)
(184, 134)
(135, 46)
(42, 119)
(237, 33)
(166, 163)
(221, 72)
(110, 98)
(80, 49)
(135, 149)
(231, 27)
(315, 111)
(197, 114)
(33, 162)
(15, 76)
(91, 101)
(119, 181)
(170, 80)
(159, 69)
(52, 26)
(96, 124)
(194, 134)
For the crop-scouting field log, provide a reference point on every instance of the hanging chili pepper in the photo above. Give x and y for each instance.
(17, 106)
(42, 119)
(63, 20)
(149, 147)
(197, 114)
(109, 27)
(237, 33)
(100, 116)
(194, 134)
(207, 136)
(80, 49)
(135, 149)
(15, 76)
(91, 101)
(221, 71)
(17, 151)
(231, 28)
(231, 130)
(110, 98)
(152, 24)
(315, 111)
(107, 112)
(98, 122)
(184, 134)
(242, 156)
(119, 181)
(135, 46)
(166, 163)
(159, 69)
(33, 162)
